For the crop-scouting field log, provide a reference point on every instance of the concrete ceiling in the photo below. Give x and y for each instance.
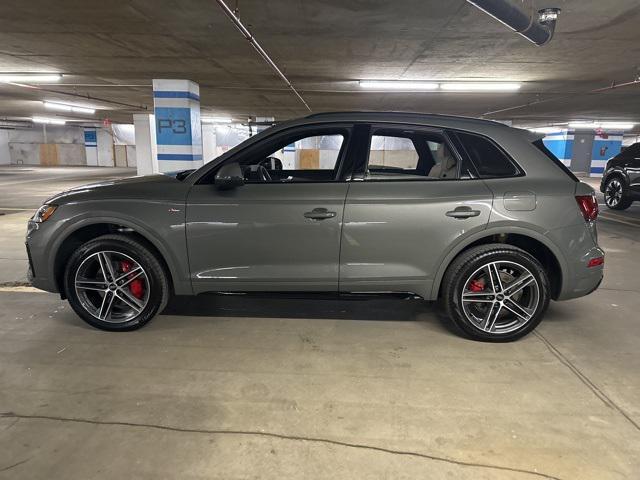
(111, 51)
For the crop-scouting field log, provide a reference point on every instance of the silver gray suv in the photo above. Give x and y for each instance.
(474, 213)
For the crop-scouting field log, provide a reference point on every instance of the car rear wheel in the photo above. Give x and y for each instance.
(496, 292)
(615, 195)
(115, 283)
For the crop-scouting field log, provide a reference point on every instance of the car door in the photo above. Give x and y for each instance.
(413, 198)
(276, 234)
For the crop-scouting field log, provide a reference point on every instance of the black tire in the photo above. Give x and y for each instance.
(611, 199)
(157, 285)
(456, 281)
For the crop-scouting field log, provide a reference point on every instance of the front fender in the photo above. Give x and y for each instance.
(618, 171)
(163, 227)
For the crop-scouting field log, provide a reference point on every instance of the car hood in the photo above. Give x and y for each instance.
(113, 188)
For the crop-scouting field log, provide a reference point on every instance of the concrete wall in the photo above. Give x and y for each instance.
(209, 142)
(605, 145)
(54, 145)
(5, 154)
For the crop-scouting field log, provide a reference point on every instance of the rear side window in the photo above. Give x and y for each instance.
(542, 147)
(490, 161)
(405, 154)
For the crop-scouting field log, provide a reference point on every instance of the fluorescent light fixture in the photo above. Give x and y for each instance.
(398, 85)
(69, 108)
(48, 120)
(462, 86)
(480, 86)
(30, 77)
(603, 125)
(215, 120)
(546, 129)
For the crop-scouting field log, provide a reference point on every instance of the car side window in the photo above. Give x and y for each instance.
(303, 158)
(319, 152)
(405, 154)
(489, 160)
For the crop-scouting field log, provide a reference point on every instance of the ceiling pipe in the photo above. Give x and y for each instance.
(254, 43)
(537, 30)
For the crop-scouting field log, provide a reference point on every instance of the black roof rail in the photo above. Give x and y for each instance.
(410, 114)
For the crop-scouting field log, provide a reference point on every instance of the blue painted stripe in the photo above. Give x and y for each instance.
(597, 169)
(167, 94)
(178, 156)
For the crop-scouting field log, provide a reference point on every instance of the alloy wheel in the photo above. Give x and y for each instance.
(613, 193)
(500, 297)
(112, 286)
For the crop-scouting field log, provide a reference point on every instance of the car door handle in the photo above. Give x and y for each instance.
(319, 214)
(463, 212)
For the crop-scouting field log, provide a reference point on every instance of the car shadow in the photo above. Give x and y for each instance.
(304, 306)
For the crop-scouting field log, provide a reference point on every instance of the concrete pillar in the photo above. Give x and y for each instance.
(560, 143)
(5, 154)
(91, 146)
(208, 142)
(177, 124)
(260, 128)
(605, 146)
(145, 132)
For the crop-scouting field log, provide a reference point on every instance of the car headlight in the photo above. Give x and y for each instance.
(43, 213)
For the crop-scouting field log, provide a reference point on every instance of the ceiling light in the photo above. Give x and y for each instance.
(47, 120)
(604, 125)
(545, 129)
(30, 77)
(398, 85)
(216, 120)
(480, 86)
(69, 108)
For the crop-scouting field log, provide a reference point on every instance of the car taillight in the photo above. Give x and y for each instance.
(588, 206)
(596, 262)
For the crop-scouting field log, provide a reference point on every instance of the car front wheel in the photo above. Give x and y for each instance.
(496, 292)
(615, 195)
(115, 283)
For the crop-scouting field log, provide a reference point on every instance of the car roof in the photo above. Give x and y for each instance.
(409, 117)
(477, 125)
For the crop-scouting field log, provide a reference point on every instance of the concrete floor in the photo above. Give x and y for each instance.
(273, 388)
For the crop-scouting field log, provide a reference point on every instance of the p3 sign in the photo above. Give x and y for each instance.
(178, 126)
(173, 126)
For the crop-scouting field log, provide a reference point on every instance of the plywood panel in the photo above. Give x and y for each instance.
(120, 152)
(308, 159)
(49, 154)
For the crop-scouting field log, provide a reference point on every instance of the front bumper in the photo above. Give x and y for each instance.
(604, 175)
(40, 272)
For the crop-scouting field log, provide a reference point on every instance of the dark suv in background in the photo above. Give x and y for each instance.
(621, 179)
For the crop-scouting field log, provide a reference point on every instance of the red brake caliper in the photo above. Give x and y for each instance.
(476, 286)
(136, 287)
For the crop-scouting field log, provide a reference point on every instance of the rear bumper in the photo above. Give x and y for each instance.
(584, 279)
(584, 285)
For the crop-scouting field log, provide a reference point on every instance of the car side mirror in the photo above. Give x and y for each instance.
(229, 176)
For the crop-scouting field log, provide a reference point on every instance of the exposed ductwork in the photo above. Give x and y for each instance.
(537, 30)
